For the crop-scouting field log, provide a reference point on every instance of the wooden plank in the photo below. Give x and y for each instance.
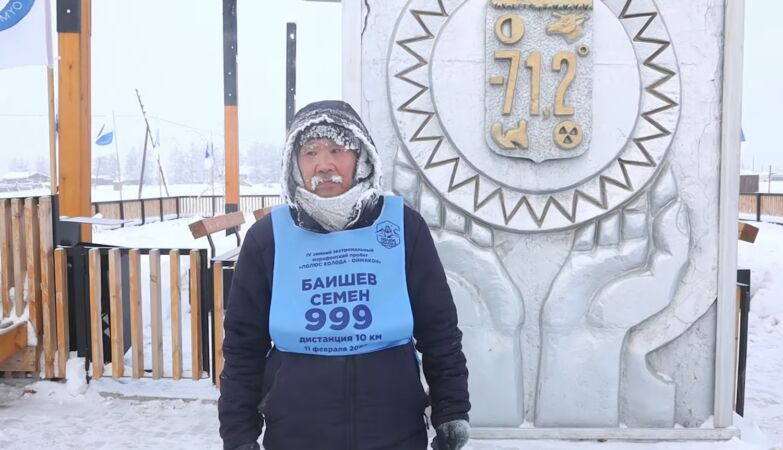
(48, 329)
(231, 152)
(211, 225)
(156, 315)
(61, 289)
(116, 314)
(137, 330)
(12, 341)
(217, 270)
(176, 316)
(6, 268)
(96, 324)
(25, 360)
(195, 314)
(19, 255)
(32, 249)
(748, 232)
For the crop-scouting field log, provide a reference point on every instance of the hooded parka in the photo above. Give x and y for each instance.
(366, 401)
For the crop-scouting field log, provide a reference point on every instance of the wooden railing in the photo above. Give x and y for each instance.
(33, 289)
(164, 208)
(763, 207)
(125, 268)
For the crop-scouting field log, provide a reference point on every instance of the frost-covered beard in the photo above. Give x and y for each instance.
(340, 212)
(335, 213)
(316, 180)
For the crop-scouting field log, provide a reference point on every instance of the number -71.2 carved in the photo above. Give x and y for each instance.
(534, 64)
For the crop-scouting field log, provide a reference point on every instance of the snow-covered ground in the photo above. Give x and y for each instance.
(182, 414)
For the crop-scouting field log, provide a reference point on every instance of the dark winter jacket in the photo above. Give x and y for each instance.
(368, 401)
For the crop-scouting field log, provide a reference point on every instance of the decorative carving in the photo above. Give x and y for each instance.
(513, 138)
(567, 134)
(630, 273)
(538, 46)
(516, 29)
(544, 3)
(568, 25)
(478, 193)
(491, 314)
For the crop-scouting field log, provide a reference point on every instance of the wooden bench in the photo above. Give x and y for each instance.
(230, 223)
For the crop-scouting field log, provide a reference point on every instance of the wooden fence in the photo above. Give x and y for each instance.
(165, 208)
(32, 288)
(160, 330)
(764, 207)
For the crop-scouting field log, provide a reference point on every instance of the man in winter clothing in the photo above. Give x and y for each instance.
(329, 296)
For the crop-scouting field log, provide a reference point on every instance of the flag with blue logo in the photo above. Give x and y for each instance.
(105, 136)
(25, 33)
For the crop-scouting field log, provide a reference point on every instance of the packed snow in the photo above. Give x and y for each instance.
(168, 414)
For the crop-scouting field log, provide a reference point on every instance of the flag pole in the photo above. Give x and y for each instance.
(53, 177)
(117, 151)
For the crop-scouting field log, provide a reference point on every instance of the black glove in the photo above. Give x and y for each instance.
(451, 435)
(248, 446)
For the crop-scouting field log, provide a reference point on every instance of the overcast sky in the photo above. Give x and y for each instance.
(172, 52)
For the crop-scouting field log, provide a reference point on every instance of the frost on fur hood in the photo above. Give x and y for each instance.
(367, 183)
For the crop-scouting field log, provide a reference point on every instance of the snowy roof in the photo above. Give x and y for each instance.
(13, 176)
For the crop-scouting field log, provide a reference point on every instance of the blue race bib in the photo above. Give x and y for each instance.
(340, 293)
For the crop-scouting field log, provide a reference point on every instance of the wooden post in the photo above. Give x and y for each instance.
(96, 324)
(195, 314)
(137, 338)
(176, 317)
(32, 248)
(217, 270)
(61, 281)
(20, 266)
(231, 102)
(6, 277)
(116, 316)
(74, 110)
(156, 315)
(48, 291)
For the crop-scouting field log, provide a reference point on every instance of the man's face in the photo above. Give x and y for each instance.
(327, 168)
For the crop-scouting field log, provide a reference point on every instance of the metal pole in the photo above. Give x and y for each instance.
(143, 160)
(758, 207)
(290, 75)
(743, 347)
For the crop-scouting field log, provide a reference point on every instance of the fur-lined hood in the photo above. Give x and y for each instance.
(327, 112)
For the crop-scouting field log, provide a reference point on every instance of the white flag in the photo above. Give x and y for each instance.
(25, 33)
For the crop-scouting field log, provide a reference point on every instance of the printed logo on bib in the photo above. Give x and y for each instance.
(388, 234)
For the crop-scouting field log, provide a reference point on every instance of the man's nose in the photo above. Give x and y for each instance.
(324, 162)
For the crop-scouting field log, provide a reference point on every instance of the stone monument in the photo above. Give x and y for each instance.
(570, 158)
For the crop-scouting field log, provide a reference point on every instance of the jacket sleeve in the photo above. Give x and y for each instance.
(245, 346)
(438, 338)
